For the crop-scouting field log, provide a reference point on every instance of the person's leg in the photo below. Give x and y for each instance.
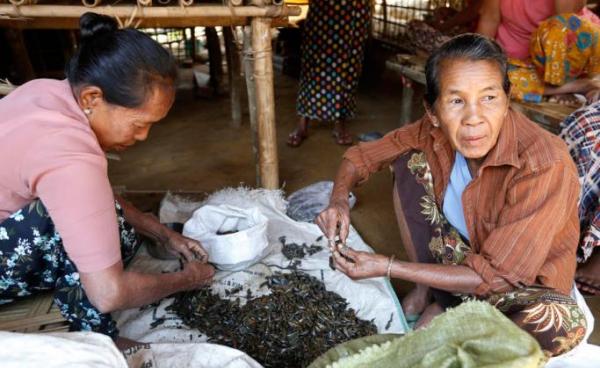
(433, 310)
(587, 276)
(417, 300)
(421, 227)
(553, 319)
(29, 253)
(564, 67)
(70, 295)
(341, 135)
(296, 137)
(525, 83)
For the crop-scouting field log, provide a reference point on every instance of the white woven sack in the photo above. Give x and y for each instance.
(235, 251)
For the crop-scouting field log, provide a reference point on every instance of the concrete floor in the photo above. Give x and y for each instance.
(195, 149)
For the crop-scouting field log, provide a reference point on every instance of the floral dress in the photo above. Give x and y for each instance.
(33, 259)
(563, 48)
(333, 44)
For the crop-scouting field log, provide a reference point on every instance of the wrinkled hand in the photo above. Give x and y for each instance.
(199, 273)
(335, 218)
(190, 249)
(592, 96)
(360, 265)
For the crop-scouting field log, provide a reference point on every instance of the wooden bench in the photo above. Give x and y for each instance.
(412, 70)
(33, 314)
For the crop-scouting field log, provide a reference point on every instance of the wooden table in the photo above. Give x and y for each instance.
(412, 70)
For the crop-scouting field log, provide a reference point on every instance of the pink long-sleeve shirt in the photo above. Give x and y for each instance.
(519, 19)
(49, 151)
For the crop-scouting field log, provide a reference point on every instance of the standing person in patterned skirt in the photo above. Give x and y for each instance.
(332, 55)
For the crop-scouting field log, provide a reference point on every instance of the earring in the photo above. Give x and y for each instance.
(435, 124)
(87, 111)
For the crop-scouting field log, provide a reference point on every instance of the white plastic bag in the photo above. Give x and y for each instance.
(306, 204)
(235, 238)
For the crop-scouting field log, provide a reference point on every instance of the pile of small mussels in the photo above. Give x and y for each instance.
(290, 327)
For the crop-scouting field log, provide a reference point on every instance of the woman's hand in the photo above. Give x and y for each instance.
(190, 249)
(335, 220)
(360, 265)
(198, 273)
(593, 95)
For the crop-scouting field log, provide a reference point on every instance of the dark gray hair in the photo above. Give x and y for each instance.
(468, 46)
(124, 63)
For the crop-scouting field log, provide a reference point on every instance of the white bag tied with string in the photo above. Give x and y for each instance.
(235, 238)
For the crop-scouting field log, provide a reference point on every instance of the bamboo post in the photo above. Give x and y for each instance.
(233, 72)
(215, 60)
(407, 101)
(14, 38)
(251, 92)
(265, 102)
(124, 11)
(67, 16)
(193, 50)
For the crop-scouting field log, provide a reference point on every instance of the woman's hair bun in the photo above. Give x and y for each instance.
(92, 24)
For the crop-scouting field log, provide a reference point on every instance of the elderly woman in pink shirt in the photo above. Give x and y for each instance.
(59, 228)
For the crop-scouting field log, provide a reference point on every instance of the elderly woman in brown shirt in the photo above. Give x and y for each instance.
(486, 201)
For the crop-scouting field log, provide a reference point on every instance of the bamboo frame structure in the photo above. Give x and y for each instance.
(250, 87)
(67, 16)
(260, 89)
(232, 53)
(265, 103)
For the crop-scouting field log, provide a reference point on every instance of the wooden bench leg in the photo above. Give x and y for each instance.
(407, 100)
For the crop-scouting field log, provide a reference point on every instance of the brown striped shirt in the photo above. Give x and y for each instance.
(521, 208)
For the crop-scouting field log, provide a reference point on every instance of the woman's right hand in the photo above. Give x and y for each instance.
(199, 273)
(334, 220)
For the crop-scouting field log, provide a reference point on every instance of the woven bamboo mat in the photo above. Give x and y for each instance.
(33, 314)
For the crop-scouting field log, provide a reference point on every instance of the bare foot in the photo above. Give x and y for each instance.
(415, 302)
(341, 135)
(428, 314)
(299, 134)
(566, 99)
(587, 276)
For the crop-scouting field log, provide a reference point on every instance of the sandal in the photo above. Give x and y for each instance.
(296, 138)
(342, 138)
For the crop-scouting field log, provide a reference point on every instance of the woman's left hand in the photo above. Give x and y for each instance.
(360, 265)
(190, 249)
(592, 96)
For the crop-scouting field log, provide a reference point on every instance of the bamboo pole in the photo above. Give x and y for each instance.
(73, 23)
(91, 3)
(265, 102)
(251, 92)
(234, 74)
(20, 56)
(200, 11)
(215, 60)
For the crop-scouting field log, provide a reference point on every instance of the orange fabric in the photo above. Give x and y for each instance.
(520, 211)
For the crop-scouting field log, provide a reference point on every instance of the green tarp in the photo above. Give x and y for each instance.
(474, 334)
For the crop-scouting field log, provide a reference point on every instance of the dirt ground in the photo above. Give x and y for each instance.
(195, 149)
